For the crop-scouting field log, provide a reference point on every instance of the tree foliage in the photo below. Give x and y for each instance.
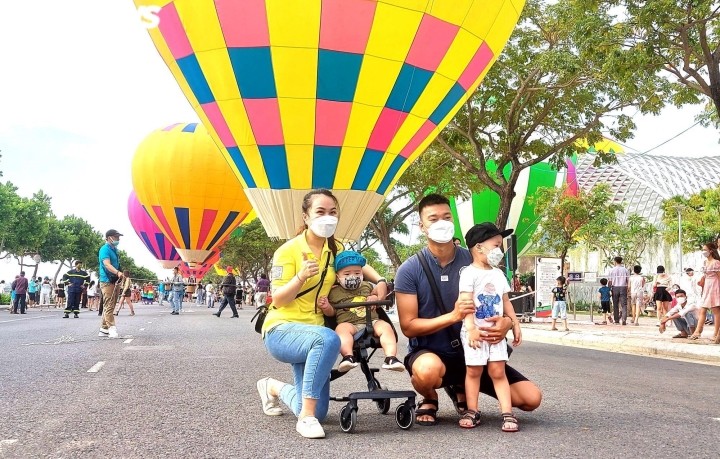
(700, 215)
(250, 250)
(627, 238)
(564, 76)
(681, 38)
(565, 220)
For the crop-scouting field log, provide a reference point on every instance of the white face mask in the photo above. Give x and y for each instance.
(495, 256)
(681, 300)
(323, 226)
(350, 282)
(441, 231)
(705, 253)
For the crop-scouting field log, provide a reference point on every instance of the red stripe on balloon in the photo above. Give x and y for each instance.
(345, 25)
(217, 120)
(419, 137)
(244, 23)
(331, 122)
(264, 116)
(208, 219)
(385, 129)
(477, 64)
(431, 43)
(166, 226)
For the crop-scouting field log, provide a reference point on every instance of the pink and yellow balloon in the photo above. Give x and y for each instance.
(338, 94)
(150, 235)
(188, 189)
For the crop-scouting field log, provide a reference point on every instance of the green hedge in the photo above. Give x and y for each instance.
(4, 298)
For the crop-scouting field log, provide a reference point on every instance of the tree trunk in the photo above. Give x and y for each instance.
(383, 233)
(562, 261)
(506, 199)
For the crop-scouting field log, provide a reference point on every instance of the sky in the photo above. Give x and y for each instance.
(81, 84)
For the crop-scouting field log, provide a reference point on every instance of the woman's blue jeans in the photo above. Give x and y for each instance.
(176, 300)
(311, 350)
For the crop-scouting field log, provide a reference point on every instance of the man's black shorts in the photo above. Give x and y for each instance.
(455, 372)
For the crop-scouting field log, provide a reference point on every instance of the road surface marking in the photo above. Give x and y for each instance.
(128, 341)
(150, 322)
(142, 329)
(24, 318)
(95, 368)
(8, 442)
(717, 419)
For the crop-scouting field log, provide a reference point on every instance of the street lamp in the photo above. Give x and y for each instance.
(679, 209)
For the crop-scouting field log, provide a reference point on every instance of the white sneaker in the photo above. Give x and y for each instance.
(112, 332)
(392, 363)
(309, 427)
(103, 332)
(270, 404)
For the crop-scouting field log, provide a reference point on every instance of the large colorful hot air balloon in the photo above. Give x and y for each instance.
(340, 94)
(188, 189)
(150, 235)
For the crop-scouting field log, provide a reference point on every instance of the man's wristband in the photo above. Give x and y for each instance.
(382, 279)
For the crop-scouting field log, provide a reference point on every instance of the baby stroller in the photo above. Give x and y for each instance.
(364, 341)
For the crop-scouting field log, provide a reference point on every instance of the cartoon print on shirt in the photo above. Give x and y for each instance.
(487, 301)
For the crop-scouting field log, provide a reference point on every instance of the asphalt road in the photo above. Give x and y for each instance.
(184, 387)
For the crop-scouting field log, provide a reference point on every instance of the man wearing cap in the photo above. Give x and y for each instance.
(228, 287)
(109, 274)
(435, 356)
(75, 279)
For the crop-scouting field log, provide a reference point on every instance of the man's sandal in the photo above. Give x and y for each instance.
(510, 423)
(473, 417)
(460, 406)
(432, 412)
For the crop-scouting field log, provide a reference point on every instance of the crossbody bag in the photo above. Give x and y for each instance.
(454, 340)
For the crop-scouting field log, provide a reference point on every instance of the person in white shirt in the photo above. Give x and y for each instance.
(689, 283)
(682, 315)
(618, 281)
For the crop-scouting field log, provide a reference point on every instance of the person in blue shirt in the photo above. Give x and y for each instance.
(605, 294)
(109, 274)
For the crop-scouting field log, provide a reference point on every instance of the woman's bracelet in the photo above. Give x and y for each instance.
(298, 278)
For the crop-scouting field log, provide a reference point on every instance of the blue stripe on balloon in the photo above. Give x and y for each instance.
(173, 254)
(253, 72)
(368, 165)
(192, 72)
(190, 127)
(183, 218)
(146, 241)
(338, 75)
(453, 97)
(325, 162)
(409, 85)
(230, 220)
(390, 174)
(160, 239)
(241, 165)
(274, 158)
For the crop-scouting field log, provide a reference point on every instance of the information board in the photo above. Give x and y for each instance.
(547, 270)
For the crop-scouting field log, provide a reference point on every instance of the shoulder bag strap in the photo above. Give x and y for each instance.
(322, 278)
(431, 281)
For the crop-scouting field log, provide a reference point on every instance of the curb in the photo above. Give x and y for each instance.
(695, 351)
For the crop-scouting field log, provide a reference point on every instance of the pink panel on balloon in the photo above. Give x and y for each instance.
(208, 219)
(173, 31)
(477, 64)
(431, 43)
(385, 129)
(264, 115)
(148, 231)
(244, 23)
(217, 120)
(345, 25)
(331, 121)
(419, 137)
(166, 226)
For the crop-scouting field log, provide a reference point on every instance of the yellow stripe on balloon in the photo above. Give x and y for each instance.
(301, 130)
(300, 157)
(236, 116)
(360, 126)
(453, 11)
(459, 54)
(382, 73)
(350, 157)
(295, 61)
(431, 97)
(406, 132)
(386, 38)
(294, 24)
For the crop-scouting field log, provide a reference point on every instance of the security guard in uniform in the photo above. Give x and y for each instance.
(75, 279)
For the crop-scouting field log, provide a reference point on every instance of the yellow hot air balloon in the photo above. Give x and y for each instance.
(338, 94)
(188, 189)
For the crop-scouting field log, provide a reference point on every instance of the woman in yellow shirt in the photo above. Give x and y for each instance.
(294, 330)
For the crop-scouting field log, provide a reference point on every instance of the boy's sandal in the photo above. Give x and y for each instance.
(432, 412)
(473, 417)
(452, 391)
(510, 423)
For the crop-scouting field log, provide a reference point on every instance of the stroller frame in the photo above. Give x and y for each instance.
(364, 340)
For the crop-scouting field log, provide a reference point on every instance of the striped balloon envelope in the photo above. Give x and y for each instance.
(150, 235)
(484, 206)
(188, 189)
(338, 94)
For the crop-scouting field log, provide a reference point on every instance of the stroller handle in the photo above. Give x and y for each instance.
(363, 303)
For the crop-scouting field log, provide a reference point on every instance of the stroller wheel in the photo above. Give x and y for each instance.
(348, 419)
(383, 405)
(405, 416)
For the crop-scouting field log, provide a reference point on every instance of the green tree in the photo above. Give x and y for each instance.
(373, 259)
(9, 203)
(626, 238)
(137, 273)
(250, 250)
(564, 76)
(680, 38)
(434, 171)
(70, 239)
(565, 220)
(700, 215)
(30, 225)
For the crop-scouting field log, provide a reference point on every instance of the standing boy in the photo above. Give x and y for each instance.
(559, 309)
(605, 297)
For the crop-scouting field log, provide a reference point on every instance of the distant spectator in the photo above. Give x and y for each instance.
(45, 292)
(605, 295)
(618, 280)
(559, 308)
(20, 287)
(662, 296)
(75, 279)
(32, 290)
(261, 290)
(637, 294)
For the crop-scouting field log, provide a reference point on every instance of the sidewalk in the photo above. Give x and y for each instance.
(644, 339)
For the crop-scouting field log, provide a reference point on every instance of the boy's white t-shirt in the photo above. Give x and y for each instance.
(488, 287)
